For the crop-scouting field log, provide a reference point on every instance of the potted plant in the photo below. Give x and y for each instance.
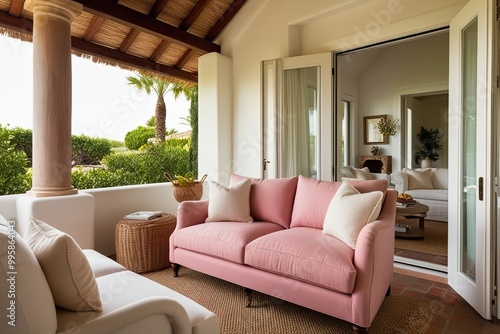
(387, 126)
(430, 144)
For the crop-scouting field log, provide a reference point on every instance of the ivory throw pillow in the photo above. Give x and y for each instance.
(229, 203)
(65, 267)
(363, 174)
(419, 179)
(349, 211)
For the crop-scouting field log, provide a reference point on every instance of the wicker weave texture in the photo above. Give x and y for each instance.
(143, 245)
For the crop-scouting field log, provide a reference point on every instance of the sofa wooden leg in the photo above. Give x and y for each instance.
(248, 295)
(358, 329)
(388, 293)
(176, 268)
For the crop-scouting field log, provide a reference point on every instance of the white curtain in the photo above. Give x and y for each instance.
(295, 138)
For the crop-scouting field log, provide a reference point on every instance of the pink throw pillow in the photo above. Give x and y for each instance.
(271, 200)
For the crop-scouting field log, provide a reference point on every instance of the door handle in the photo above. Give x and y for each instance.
(481, 186)
(466, 189)
(264, 163)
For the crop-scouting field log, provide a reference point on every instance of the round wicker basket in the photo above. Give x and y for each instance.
(191, 192)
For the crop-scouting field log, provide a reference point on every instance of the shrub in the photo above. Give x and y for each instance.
(13, 167)
(149, 164)
(178, 142)
(89, 151)
(100, 178)
(22, 139)
(136, 138)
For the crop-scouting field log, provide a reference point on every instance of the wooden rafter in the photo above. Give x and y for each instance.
(129, 17)
(194, 14)
(224, 20)
(94, 25)
(16, 7)
(25, 26)
(157, 8)
(129, 40)
(162, 47)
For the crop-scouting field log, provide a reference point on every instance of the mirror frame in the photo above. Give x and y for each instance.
(371, 134)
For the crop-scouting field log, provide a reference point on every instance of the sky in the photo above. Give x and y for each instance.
(104, 105)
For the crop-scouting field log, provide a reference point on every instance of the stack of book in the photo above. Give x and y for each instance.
(144, 215)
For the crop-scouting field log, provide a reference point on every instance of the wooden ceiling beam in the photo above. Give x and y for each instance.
(224, 19)
(162, 47)
(16, 7)
(184, 59)
(131, 18)
(25, 26)
(112, 55)
(94, 25)
(194, 14)
(127, 42)
(157, 8)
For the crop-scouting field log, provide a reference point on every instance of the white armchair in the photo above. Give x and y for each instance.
(131, 303)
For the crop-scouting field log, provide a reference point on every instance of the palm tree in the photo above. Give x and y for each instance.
(161, 87)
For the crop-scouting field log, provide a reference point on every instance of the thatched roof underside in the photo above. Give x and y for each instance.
(158, 37)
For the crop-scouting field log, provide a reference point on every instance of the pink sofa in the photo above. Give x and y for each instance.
(284, 253)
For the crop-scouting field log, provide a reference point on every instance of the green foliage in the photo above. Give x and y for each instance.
(136, 138)
(116, 143)
(14, 178)
(178, 142)
(151, 122)
(193, 118)
(149, 164)
(430, 144)
(89, 151)
(100, 178)
(22, 139)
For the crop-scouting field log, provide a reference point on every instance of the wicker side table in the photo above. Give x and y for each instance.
(143, 245)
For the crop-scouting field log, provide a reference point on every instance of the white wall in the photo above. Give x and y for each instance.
(268, 29)
(412, 65)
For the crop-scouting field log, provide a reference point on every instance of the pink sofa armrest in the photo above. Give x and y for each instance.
(191, 213)
(374, 261)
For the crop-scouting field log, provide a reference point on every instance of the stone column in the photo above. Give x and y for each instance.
(52, 96)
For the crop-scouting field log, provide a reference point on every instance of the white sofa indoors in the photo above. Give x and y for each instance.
(350, 172)
(108, 298)
(428, 186)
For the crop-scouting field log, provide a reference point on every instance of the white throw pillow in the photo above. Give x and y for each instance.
(229, 203)
(363, 174)
(419, 179)
(65, 267)
(349, 211)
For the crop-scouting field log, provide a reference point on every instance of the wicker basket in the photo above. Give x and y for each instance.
(191, 192)
(143, 245)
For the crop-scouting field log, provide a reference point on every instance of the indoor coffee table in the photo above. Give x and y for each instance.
(417, 210)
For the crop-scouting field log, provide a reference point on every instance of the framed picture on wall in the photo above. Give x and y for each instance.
(370, 130)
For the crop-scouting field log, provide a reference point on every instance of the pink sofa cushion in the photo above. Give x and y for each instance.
(313, 198)
(307, 255)
(271, 200)
(225, 240)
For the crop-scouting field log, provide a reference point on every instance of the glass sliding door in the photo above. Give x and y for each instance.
(471, 195)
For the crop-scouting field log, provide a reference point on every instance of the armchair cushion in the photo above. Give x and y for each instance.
(34, 310)
(349, 211)
(419, 179)
(66, 268)
(229, 203)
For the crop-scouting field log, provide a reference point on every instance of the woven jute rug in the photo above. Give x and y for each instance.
(435, 239)
(398, 314)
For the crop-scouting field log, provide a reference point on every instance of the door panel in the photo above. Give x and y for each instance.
(297, 118)
(470, 199)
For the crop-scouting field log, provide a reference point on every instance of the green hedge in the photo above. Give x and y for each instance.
(89, 151)
(14, 176)
(136, 138)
